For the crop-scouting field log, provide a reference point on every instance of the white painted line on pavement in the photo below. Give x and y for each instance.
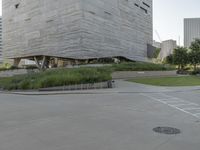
(168, 96)
(175, 99)
(197, 114)
(192, 108)
(176, 102)
(189, 104)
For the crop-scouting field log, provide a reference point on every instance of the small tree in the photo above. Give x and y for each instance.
(180, 57)
(194, 54)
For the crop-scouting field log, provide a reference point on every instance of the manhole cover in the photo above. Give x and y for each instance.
(167, 130)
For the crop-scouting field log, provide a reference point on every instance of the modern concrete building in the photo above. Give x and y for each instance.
(76, 29)
(156, 44)
(191, 30)
(167, 48)
(1, 58)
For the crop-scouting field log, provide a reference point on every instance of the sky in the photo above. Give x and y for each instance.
(168, 17)
(0, 7)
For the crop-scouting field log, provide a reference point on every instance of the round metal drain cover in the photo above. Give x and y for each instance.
(166, 130)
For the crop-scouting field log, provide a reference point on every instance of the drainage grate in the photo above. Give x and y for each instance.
(166, 130)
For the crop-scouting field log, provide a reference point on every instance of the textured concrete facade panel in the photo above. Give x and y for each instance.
(1, 58)
(78, 29)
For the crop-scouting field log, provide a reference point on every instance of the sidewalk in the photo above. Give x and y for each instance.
(135, 74)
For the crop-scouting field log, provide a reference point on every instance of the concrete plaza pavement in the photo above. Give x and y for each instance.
(110, 119)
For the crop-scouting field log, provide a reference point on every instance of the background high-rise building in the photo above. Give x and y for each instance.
(191, 30)
(1, 58)
(74, 29)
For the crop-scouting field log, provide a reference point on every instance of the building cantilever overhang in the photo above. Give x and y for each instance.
(77, 29)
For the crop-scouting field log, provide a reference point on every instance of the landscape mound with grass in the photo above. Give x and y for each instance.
(83, 75)
(56, 77)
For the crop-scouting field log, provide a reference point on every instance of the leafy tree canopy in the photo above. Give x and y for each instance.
(180, 57)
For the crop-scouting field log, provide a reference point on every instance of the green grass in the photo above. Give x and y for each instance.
(141, 66)
(57, 77)
(170, 81)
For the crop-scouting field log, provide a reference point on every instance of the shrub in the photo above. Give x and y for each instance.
(170, 59)
(24, 85)
(31, 67)
(13, 68)
(156, 53)
(195, 72)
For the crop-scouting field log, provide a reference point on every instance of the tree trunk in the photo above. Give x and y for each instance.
(179, 67)
(182, 67)
(195, 67)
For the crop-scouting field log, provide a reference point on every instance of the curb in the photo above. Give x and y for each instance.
(58, 93)
(93, 92)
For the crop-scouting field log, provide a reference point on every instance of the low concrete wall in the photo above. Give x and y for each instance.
(101, 85)
(136, 74)
(10, 73)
